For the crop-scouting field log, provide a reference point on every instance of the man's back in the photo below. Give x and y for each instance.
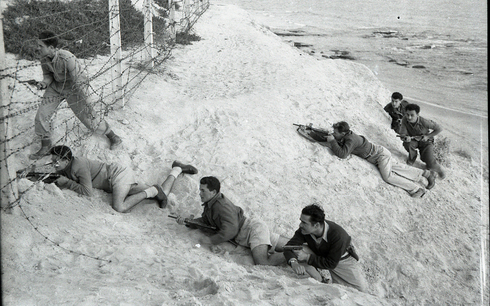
(86, 174)
(225, 216)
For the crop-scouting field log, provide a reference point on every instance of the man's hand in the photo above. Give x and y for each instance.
(302, 255)
(182, 220)
(407, 139)
(297, 268)
(330, 138)
(425, 138)
(62, 180)
(41, 85)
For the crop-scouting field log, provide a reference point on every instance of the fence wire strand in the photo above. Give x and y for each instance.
(24, 99)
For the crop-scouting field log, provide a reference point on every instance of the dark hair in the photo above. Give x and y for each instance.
(397, 96)
(62, 151)
(413, 107)
(315, 212)
(49, 38)
(211, 182)
(342, 127)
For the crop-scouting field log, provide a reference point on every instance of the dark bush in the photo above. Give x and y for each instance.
(82, 26)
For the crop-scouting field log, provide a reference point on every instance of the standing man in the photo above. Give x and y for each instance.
(232, 224)
(328, 247)
(82, 175)
(64, 78)
(344, 142)
(396, 110)
(418, 133)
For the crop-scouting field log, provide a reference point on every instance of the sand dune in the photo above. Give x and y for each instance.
(226, 104)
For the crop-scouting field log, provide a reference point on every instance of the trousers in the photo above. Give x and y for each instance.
(393, 173)
(78, 100)
(426, 149)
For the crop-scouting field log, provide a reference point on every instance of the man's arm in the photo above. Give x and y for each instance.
(82, 179)
(389, 109)
(47, 75)
(431, 125)
(329, 260)
(227, 221)
(342, 151)
(298, 239)
(72, 68)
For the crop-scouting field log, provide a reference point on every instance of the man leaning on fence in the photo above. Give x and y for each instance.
(64, 78)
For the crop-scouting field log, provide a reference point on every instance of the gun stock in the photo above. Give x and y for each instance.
(188, 221)
(418, 138)
(310, 127)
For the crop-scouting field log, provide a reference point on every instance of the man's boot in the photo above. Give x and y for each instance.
(45, 147)
(114, 139)
(430, 175)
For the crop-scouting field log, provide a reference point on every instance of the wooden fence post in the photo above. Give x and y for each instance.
(8, 185)
(171, 16)
(115, 40)
(148, 31)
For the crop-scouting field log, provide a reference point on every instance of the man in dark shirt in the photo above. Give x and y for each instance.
(328, 247)
(418, 133)
(344, 142)
(82, 175)
(396, 110)
(233, 225)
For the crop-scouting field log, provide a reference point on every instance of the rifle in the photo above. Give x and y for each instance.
(46, 177)
(30, 82)
(292, 247)
(418, 138)
(192, 222)
(316, 134)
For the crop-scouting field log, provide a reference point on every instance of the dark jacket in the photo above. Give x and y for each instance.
(328, 254)
(396, 114)
(225, 216)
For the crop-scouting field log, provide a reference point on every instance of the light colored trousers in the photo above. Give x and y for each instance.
(393, 173)
(78, 100)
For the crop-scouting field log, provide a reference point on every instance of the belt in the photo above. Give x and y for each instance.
(350, 252)
(345, 256)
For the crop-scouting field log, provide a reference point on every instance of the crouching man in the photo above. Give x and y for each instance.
(82, 175)
(328, 247)
(232, 225)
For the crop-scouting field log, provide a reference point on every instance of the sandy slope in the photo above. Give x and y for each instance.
(227, 104)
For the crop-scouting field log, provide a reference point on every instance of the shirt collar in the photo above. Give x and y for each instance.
(325, 232)
(213, 200)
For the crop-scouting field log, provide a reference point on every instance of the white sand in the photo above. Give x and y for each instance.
(226, 104)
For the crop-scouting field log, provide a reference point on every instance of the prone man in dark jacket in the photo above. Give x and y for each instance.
(232, 225)
(328, 247)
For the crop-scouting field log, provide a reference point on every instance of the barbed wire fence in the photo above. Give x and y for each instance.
(138, 37)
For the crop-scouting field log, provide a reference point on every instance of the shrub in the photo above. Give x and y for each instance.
(82, 26)
(441, 151)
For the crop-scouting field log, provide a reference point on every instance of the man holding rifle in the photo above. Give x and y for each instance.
(232, 225)
(344, 142)
(418, 133)
(82, 175)
(328, 248)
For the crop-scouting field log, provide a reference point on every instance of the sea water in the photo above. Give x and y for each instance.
(431, 50)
